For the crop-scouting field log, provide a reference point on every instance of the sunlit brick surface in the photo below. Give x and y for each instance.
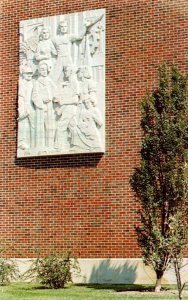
(84, 202)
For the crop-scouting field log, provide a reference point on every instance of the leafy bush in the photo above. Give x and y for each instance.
(53, 271)
(8, 270)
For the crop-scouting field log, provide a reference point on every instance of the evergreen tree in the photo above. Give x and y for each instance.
(160, 182)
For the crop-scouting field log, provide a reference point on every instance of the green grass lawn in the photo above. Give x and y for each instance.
(28, 291)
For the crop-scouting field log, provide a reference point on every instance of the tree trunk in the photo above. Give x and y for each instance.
(177, 267)
(158, 285)
(181, 295)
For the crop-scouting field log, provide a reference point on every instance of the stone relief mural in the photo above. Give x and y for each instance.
(61, 99)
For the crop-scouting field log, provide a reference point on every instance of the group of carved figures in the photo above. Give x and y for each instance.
(58, 101)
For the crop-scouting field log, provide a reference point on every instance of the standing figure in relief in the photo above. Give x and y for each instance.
(43, 94)
(63, 43)
(85, 129)
(67, 100)
(45, 48)
(26, 119)
(87, 86)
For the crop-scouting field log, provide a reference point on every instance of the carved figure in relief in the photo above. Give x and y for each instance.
(26, 119)
(87, 86)
(43, 94)
(45, 49)
(58, 97)
(63, 43)
(85, 128)
(67, 100)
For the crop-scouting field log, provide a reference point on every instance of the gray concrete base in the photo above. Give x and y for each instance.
(117, 271)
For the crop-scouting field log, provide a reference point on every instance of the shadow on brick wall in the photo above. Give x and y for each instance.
(88, 160)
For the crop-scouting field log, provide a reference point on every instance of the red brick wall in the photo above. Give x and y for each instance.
(84, 202)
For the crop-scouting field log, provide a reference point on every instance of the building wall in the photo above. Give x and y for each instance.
(84, 202)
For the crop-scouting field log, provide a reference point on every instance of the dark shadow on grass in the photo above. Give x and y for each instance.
(123, 287)
(47, 288)
(38, 288)
(43, 287)
(118, 287)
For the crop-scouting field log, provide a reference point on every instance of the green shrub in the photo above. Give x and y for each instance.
(53, 271)
(8, 270)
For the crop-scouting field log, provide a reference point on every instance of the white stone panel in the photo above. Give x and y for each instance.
(61, 101)
(116, 271)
